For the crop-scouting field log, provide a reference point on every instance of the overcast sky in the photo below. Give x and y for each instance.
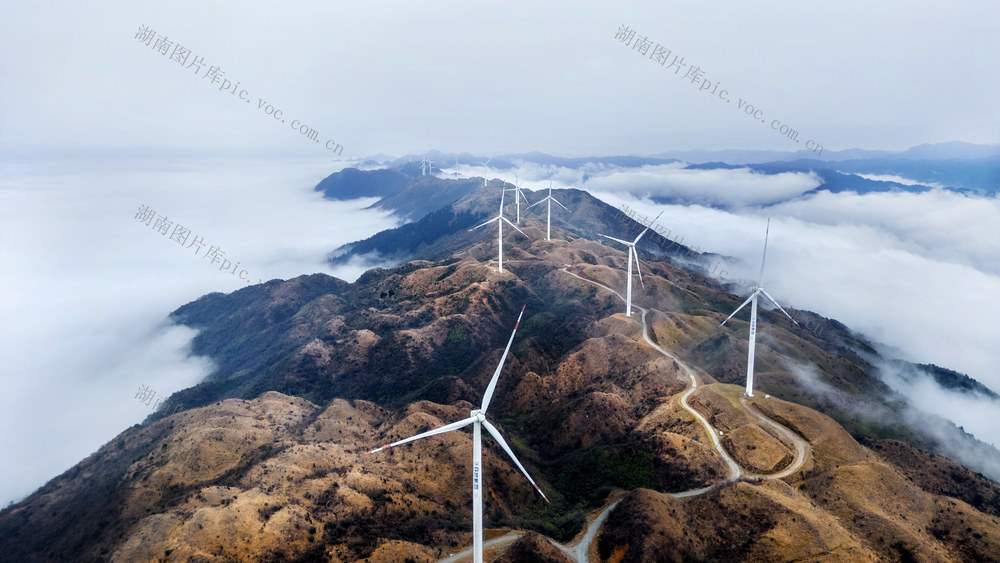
(85, 287)
(401, 77)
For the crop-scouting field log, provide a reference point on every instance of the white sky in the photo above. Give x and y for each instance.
(395, 77)
(84, 287)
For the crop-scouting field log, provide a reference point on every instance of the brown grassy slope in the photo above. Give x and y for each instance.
(941, 476)
(276, 477)
(532, 547)
(315, 491)
(755, 446)
(850, 506)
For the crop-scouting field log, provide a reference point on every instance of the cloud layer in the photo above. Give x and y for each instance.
(917, 272)
(737, 187)
(88, 287)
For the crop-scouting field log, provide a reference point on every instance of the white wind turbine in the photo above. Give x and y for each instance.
(752, 300)
(548, 221)
(485, 164)
(632, 255)
(517, 197)
(478, 420)
(500, 219)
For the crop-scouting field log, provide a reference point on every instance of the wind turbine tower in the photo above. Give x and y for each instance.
(548, 220)
(485, 164)
(518, 194)
(500, 219)
(478, 421)
(632, 255)
(752, 300)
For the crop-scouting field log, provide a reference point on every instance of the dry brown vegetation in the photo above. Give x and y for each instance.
(587, 406)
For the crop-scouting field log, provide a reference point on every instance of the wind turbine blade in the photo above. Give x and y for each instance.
(513, 225)
(486, 223)
(764, 257)
(496, 375)
(771, 299)
(503, 444)
(625, 242)
(537, 202)
(501, 201)
(653, 222)
(634, 254)
(556, 201)
(521, 193)
(738, 309)
(441, 430)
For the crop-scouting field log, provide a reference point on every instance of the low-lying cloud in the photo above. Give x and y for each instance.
(918, 272)
(720, 187)
(976, 413)
(88, 287)
(895, 179)
(921, 415)
(716, 187)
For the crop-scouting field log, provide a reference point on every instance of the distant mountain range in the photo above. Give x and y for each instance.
(954, 150)
(961, 167)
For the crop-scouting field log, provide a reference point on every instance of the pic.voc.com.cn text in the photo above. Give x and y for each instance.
(181, 234)
(696, 75)
(175, 52)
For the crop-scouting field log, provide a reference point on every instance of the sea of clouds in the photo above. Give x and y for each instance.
(918, 272)
(87, 287)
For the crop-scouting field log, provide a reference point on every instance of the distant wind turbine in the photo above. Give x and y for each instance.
(500, 219)
(548, 220)
(632, 255)
(752, 300)
(518, 194)
(485, 164)
(478, 420)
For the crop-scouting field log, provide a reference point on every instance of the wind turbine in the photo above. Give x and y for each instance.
(500, 219)
(517, 197)
(632, 255)
(485, 164)
(478, 420)
(548, 221)
(752, 300)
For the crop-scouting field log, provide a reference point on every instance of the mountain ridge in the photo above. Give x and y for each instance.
(263, 461)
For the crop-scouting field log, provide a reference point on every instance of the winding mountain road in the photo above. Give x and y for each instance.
(579, 549)
(801, 446)
(734, 469)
